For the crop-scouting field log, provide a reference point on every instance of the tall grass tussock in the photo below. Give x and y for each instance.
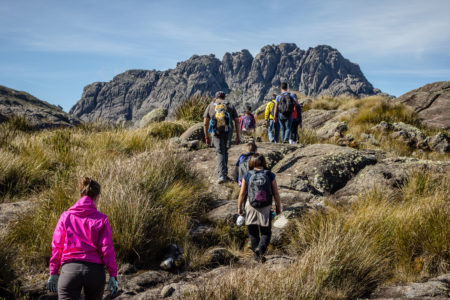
(192, 109)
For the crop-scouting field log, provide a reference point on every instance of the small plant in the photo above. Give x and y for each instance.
(192, 109)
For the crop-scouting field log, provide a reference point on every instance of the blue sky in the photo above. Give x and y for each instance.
(52, 49)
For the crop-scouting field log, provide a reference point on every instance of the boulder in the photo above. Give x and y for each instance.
(224, 213)
(219, 256)
(431, 102)
(320, 169)
(156, 115)
(439, 143)
(195, 132)
(388, 174)
(316, 118)
(410, 135)
(331, 129)
(142, 281)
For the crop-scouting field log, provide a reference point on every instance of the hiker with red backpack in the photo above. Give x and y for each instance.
(247, 121)
(296, 122)
(259, 187)
(271, 124)
(218, 121)
(284, 107)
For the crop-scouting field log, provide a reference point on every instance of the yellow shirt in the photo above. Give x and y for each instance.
(269, 109)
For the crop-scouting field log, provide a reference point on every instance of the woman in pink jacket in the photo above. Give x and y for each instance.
(82, 245)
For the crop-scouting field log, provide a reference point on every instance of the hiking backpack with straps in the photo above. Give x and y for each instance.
(286, 104)
(247, 123)
(221, 121)
(243, 166)
(259, 188)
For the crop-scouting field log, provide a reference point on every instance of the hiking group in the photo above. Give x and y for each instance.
(283, 115)
(258, 184)
(82, 241)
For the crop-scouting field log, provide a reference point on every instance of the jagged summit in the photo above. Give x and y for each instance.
(247, 79)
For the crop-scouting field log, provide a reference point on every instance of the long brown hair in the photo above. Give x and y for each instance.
(89, 187)
(257, 161)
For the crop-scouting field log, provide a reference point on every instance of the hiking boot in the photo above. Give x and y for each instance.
(258, 256)
(221, 180)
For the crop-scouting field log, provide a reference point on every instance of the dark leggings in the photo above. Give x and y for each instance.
(77, 275)
(259, 237)
(294, 131)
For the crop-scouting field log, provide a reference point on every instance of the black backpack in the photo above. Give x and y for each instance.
(286, 104)
(259, 188)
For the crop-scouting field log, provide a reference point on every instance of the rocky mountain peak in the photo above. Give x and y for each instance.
(246, 80)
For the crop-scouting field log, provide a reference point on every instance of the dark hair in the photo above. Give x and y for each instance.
(220, 95)
(248, 109)
(251, 147)
(284, 86)
(89, 187)
(257, 161)
(274, 96)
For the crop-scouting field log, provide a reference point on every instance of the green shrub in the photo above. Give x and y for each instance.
(165, 130)
(192, 109)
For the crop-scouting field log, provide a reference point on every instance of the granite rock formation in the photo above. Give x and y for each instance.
(431, 102)
(246, 80)
(39, 113)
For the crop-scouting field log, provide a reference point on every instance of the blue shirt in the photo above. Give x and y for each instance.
(279, 96)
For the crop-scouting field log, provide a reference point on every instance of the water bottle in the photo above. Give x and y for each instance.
(240, 221)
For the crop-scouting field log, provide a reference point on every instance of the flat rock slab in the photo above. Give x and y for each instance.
(435, 288)
(320, 169)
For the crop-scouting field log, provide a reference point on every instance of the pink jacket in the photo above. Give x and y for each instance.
(83, 234)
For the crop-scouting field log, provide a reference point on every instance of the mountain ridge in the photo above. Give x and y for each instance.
(321, 70)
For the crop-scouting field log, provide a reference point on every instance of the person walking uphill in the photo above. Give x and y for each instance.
(82, 245)
(218, 121)
(270, 123)
(260, 186)
(284, 107)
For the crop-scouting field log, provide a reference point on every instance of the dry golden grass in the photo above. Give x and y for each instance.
(346, 252)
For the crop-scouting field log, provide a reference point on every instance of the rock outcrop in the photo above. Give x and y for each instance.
(132, 94)
(431, 102)
(39, 113)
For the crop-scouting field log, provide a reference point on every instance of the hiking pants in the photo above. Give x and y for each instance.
(285, 127)
(274, 125)
(81, 275)
(222, 143)
(294, 131)
(259, 237)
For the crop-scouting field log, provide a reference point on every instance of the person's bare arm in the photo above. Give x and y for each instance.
(205, 130)
(238, 131)
(276, 195)
(242, 195)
